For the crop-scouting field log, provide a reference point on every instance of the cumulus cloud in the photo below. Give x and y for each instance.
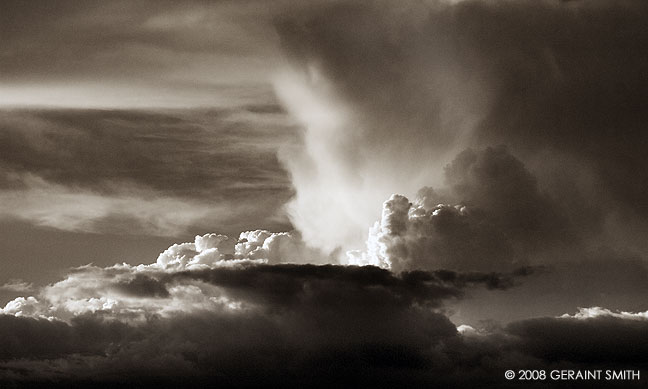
(383, 103)
(217, 302)
(22, 306)
(216, 273)
(259, 246)
(134, 292)
(389, 94)
(489, 215)
(411, 237)
(220, 310)
(593, 312)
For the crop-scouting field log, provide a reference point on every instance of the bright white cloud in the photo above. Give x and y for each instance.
(22, 306)
(594, 312)
(415, 236)
(133, 293)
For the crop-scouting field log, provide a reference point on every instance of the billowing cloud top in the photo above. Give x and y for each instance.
(390, 94)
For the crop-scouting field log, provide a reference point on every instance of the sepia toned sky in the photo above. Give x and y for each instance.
(325, 193)
(90, 150)
(136, 53)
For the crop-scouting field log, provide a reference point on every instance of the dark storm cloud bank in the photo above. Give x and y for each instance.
(290, 284)
(310, 325)
(197, 159)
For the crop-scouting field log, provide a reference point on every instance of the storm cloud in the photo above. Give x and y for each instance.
(417, 193)
(246, 324)
(390, 94)
(294, 325)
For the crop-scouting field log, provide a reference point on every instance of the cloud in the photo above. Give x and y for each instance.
(410, 237)
(217, 273)
(604, 279)
(103, 325)
(259, 246)
(176, 171)
(594, 312)
(585, 340)
(490, 215)
(52, 205)
(500, 185)
(220, 311)
(317, 341)
(149, 54)
(17, 286)
(383, 108)
(22, 306)
(389, 94)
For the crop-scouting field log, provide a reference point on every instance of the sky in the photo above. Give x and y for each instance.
(323, 193)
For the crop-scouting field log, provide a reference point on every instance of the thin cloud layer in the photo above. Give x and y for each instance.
(144, 54)
(150, 172)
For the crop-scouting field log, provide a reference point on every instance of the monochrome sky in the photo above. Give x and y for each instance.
(321, 193)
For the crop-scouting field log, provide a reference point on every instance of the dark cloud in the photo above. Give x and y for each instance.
(498, 184)
(142, 286)
(570, 81)
(297, 324)
(331, 344)
(294, 319)
(601, 340)
(42, 338)
(291, 325)
(328, 284)
(560, 84)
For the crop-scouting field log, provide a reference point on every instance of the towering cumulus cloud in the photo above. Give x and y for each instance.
(390, 93)
(490, 216)
(383, 106)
